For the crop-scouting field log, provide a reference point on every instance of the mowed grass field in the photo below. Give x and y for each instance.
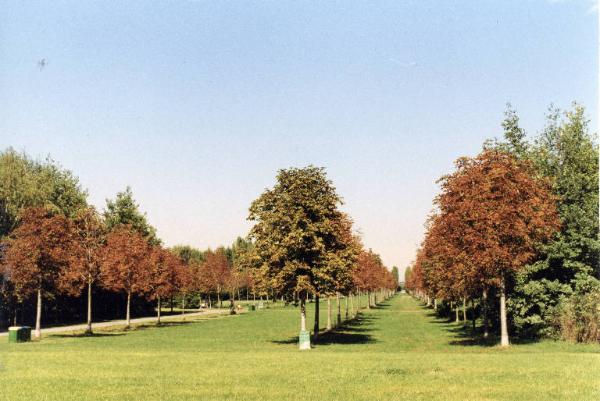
(398, 351)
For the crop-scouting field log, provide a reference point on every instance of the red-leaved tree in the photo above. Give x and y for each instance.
(125, 264)
(38, 249)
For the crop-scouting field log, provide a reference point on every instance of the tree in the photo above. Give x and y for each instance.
(502, 212)
(566, 153)
(241, 262)
(188, 254)
(125, 264)
(396, 275)
(125, 211)
(166, 275)
(294, 234)
(25, 182)
(407, 276)
(336, 275)
(39, 248)
(215, 271)
(90, 234)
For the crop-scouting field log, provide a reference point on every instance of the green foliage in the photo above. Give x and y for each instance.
(296, 232)
(25, 182)
(124, 210)
(303, 242)
(579, 315)
(407, 274)
(236, 253)
(567, 154)
(514, 135)
(188, 254)
(396, 274)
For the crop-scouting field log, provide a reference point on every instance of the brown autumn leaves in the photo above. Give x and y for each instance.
(491, 215)
(49, 253)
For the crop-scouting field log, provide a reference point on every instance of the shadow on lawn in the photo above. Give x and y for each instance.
(159, 326)
(351, 332)
(121, 331)
(383, 305)
(465, 336)
(87, 335)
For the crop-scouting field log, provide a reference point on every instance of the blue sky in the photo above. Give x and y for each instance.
(197, 104)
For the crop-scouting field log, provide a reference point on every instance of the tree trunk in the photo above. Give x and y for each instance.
(503, 324)
(328, 312)
(435, 304)
(346, 300)
(464, 308)
(456, 311)
(158, 306)
(38, 315)
(484, 308)
(352, 304)
(183, 306)
(339, 309)
(316, 325)
(232, 303)
(128, 313)
(473, 315)
(88, 329)
(302, 314)
(219, 298)
(304, 337)
(171, 304)
(368, 299)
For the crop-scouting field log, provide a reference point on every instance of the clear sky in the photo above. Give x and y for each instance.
(197, 104)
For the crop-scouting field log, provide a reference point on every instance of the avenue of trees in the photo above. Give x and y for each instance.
(56, 250)
(304, 246)
(514, 233)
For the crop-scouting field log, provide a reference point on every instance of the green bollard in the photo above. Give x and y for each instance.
(304, 340)
(19, 334)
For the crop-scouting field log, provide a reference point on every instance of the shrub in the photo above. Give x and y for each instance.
(579, 316)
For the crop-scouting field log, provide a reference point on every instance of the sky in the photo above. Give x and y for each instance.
(197, 104)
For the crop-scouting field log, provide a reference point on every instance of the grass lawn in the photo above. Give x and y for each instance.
(395, 352)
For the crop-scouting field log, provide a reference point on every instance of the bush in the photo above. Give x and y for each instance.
(579, 316)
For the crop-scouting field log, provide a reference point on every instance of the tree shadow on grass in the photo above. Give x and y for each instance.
(86, 335)
(350, 332)
(465, 336)
(382, 305)
(159, 326)
(120, 331)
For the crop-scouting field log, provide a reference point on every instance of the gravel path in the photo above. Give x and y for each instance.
(110, 323)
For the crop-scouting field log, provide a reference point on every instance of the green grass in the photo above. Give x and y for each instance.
(395, 352)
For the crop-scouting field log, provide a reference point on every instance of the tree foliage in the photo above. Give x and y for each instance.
(124, 210)
(25, 182)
